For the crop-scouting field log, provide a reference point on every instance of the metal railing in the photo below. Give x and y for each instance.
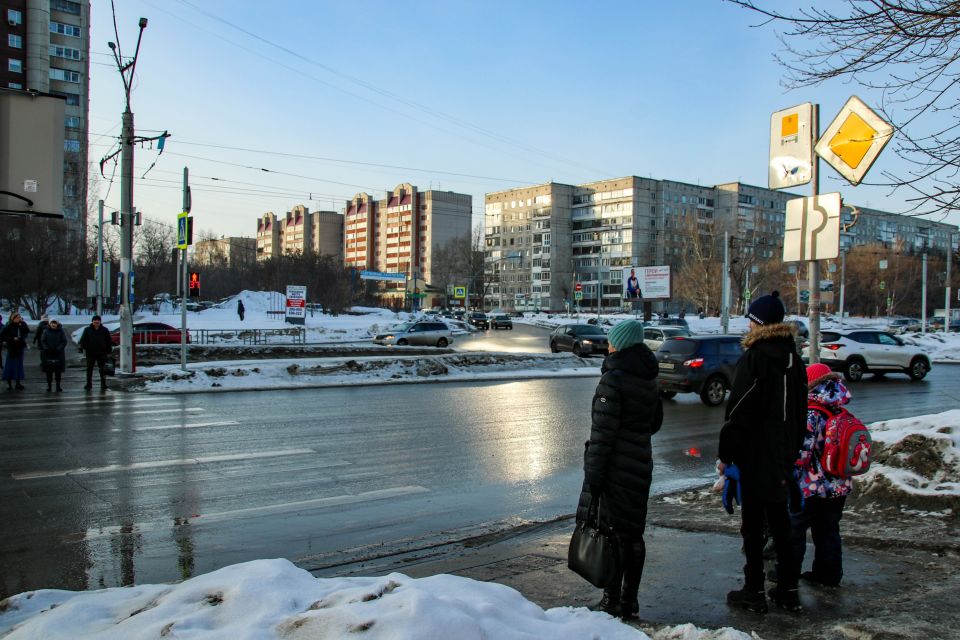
(283, 335)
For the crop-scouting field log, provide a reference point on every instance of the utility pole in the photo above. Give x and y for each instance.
(127, 70)
(843, 282)
(923, 296)
(725, 293)
(100, 259)
(184, 274)
(813, 310)
(946, 320)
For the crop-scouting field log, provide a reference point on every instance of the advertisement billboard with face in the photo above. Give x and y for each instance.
(646, 283)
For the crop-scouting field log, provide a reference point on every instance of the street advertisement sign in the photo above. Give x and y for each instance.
(647, 283)
(791, 147)
(296, 304)
(853, 140)
(382, 275)
(812, 228)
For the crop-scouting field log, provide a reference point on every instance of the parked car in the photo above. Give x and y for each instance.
(698, 364)
(653, 337)
(479, 319)
(672, 322)
(581, 339)
(151, 333)
(501, 321)
(417, 333)
(904, 325)
(855, 352)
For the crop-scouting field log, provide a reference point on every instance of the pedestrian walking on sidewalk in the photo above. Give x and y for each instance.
(766, 420)
(822, 495)
(618, 462)
(38, 335)
(53, 346)
(14, 338)
(240, 309)
(96, 344)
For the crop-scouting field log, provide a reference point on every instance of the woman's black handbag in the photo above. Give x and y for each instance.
(593, 554)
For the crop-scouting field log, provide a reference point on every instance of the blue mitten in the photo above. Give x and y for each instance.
(731, 487)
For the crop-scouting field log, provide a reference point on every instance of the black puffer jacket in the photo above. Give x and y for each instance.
(767, 413)
(96, 343)
(54, 343)
(618, 459)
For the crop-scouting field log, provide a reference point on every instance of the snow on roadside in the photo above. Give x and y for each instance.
(275, 599)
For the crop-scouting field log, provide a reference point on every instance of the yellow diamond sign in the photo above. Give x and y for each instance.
(854, 140)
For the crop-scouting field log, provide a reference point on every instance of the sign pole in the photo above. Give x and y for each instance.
(813, 311)
(183, 276)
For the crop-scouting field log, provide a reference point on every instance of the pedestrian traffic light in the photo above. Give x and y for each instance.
(194, 289)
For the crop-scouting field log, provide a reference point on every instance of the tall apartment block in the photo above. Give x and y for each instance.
(300, 231)
(231, 252)
(400, 232)
(542, 240)
(45, 47)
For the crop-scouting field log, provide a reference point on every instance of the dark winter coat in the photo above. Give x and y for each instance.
(54, 344)
(14, 336)
(39, 333)
(96, 342)
(766, 417)
(618, 460)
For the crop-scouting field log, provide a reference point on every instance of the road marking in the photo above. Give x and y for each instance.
(45, 408)
(131, 413)
(112, 415)
(224, 423)
(80, 471)
(55, 401)
(285, 507)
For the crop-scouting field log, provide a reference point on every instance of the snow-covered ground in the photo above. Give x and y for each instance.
(274, 599)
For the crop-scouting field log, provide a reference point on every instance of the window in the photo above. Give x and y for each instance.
(65, 29)
(64, 75)
(72, 122)
(14, 65)
(72, 99)
(67, 6)
(14, 41)
(15, 85)
(64, 52)
(14, 17)
(71, 145)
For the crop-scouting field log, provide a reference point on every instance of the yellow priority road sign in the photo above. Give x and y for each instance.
(854, 140)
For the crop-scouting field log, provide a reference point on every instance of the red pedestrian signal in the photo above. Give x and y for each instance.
(194, 282)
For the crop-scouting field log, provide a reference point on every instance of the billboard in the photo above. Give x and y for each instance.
(646, 283)
(296, 304)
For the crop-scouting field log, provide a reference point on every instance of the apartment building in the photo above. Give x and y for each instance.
(300, 231)
(45, 47)
(231, 252)
(542, 240)
(400, 233)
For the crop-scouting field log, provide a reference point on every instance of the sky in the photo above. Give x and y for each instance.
(270, 105)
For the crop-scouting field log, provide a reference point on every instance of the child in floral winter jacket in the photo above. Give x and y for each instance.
(821, 496)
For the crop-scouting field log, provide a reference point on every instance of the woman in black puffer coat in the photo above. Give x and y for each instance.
(618, 462)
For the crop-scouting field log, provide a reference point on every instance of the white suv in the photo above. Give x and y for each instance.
(855, 352)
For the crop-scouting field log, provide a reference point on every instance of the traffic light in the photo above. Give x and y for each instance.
(194, 288)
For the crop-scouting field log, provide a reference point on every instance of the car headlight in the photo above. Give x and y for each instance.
(588, 342)
(388, 337)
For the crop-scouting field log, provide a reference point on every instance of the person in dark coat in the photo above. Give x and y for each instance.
(618, 462)
(96, 345)
(14, 337)
(766, 421)
(44, 322)
(240, 309)
(53, 346)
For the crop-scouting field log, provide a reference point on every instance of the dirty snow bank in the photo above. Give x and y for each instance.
(328, 372)
(275, 599)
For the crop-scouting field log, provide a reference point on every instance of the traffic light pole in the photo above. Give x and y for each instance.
(185, 284)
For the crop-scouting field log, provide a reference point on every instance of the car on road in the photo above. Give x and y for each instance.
(855, 352)
(698, 364)
(479, 319)
(904, 325)
(423, 333)
(151, 333)
(667, 321)
(581, 339)
(501, 321)
(653, 337)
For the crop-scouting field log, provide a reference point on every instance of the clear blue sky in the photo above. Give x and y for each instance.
(503, 93)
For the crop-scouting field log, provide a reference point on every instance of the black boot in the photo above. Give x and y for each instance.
(749, 599)
(609, 603)
(9, 385)
(88, 386)
(788, 599)
(19, 386)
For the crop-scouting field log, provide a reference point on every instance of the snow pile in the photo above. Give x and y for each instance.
(940, 346)
(275, 599)
(915, 464)
(690, 632)
(396, 368)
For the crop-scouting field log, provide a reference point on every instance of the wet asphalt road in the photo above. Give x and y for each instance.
(112, 489)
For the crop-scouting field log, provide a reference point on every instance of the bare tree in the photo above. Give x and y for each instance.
(42, 260)
(906, 50)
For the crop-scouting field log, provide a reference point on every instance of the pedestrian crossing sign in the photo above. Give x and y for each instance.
(182, 230)
(460, 293)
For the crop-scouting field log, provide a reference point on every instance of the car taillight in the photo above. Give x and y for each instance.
(834, 346)
(695, 363)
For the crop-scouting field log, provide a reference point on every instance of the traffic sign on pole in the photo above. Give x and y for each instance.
(182, 230)
(854, 139)
(791, 147)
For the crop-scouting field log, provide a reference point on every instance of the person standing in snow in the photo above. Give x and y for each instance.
(823, 496)
(240, 309)
(764, 428)
(14, 338)
(53, 347)
(618, 462)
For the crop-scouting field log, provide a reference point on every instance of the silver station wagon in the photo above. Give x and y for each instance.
(416, 333)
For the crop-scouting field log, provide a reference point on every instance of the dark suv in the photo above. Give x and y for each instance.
(582, 339)
(479, 319)
(698, 364)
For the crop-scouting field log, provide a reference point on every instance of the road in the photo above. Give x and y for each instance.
(106, 490)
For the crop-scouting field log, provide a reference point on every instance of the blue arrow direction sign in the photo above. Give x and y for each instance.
(182, 230)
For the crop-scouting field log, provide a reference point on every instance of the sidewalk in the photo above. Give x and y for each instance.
(893, 592)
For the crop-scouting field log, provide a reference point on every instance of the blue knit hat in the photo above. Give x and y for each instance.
(626, 334)
(767, 309)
